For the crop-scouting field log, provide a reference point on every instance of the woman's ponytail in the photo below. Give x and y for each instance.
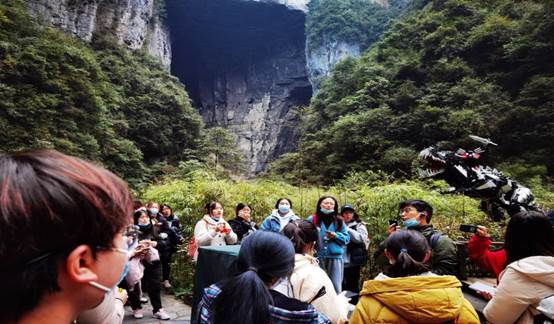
(410, 249)
(301, 233)
(245, 298)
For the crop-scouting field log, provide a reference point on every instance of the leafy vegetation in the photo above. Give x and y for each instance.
(353, 21)
(375, 197)
(454, 68)
(98, 101)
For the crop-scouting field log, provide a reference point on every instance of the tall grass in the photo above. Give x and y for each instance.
(375, 203)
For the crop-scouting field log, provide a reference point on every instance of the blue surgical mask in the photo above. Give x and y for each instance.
(122, 276)
(412, 222)
(124, 272)
(326, 211)
(284, 209)
(154, 211)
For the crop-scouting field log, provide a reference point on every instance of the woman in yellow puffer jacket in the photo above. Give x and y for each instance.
(408, 292)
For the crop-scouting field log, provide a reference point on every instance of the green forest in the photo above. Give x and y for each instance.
(452, 69)
(443, 70)
(98, 101)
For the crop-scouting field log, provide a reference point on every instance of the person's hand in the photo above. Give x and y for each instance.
(122, 295)
(485, 295)
(330, 235)
(391, 229)
(482, 231)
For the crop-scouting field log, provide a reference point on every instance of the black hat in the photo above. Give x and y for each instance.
(347, 207)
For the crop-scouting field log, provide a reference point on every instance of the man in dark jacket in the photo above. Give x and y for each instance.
(416, 215)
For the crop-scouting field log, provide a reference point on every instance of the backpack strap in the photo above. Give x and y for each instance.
(434, 239)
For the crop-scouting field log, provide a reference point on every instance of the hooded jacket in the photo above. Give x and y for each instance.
(523, 285)
(306, 281)
(272, 222)
(414, 299)
(206, 235)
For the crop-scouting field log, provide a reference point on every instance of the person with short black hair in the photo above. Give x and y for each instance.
(64, 236)
(264, 258)
(416, 215)
(529, 276)
(242, 224)
(171, 226)
(408, 292)
(355, 255)
(280, 216)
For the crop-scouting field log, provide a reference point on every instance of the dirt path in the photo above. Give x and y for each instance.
(179, 312)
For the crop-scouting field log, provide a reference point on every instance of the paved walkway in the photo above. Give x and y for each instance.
(179, 312)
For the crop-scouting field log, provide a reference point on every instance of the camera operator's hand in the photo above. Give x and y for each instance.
(121, 294)
(482, 231)
(391, 229)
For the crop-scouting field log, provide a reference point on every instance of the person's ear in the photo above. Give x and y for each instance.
(422, 217)
(389, 256)
(79, 265)
(427, 256)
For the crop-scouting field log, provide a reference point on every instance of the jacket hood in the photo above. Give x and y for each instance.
(419, 299)
(275, 213)
(538, 268)
(301, 260)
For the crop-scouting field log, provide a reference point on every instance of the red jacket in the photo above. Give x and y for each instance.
(478, 248)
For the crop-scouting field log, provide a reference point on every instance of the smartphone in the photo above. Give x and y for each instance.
(468, 228)
(393, 222)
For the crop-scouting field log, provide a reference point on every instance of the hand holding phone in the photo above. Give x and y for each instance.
(468, 228)
(393, 224)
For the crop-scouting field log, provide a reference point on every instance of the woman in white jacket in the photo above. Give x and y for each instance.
(529, 277)
(308, 282)
(212, 229)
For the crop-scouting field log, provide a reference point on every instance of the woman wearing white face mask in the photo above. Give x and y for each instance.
(213, 229)
(280, 216)
(73, 217)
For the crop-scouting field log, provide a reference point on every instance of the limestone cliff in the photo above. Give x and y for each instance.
(135, 23)
(244, 67)
(322, 59)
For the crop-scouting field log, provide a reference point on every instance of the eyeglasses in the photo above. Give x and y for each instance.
(129, 234)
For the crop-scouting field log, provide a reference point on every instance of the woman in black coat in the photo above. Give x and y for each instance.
(242, 224)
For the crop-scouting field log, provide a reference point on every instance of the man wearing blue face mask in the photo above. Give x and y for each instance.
(416, 215)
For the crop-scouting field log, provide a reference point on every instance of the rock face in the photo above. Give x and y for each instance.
(134, 23)
(244, 66)
(322, 59)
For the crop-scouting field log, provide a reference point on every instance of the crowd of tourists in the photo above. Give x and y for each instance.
(72, 252)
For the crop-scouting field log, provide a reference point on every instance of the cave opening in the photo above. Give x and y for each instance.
(243, 64)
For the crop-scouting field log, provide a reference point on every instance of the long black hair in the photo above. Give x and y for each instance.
(301, 233)
(245, 298)
(334, 218)
(409, 247)
(529, 233)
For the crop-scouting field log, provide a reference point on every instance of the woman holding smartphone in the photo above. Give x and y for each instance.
(212, 229)
(334, 236)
